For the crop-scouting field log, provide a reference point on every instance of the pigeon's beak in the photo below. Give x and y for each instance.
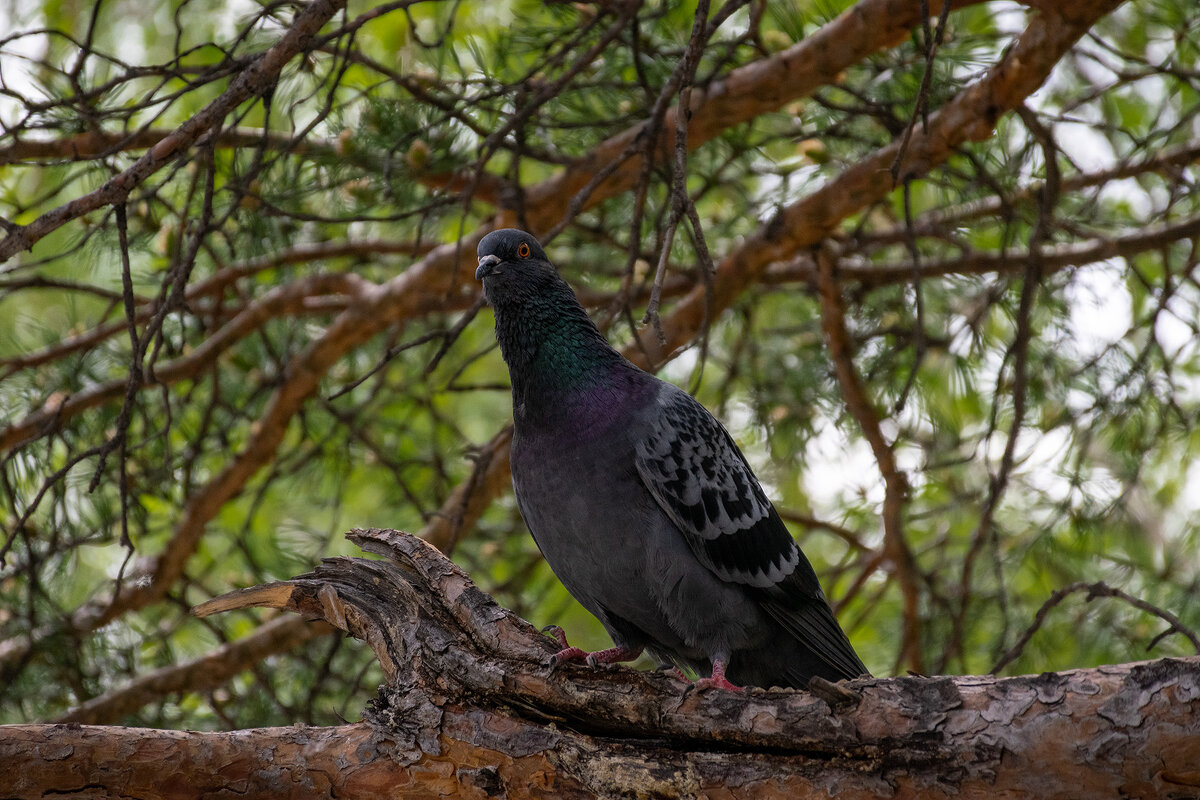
(487, 266)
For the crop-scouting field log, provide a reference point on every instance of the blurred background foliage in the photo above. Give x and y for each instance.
(407, 126)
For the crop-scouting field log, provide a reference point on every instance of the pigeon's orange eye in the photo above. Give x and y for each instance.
(523, 250)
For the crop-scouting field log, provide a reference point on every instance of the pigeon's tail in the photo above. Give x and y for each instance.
(809, 643)
(785, 663)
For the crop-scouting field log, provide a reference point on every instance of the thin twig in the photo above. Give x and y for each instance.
(920, 341)
(921, 108)
(679, 195)
(1094, 590)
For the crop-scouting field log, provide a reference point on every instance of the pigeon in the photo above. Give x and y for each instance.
(643, 505)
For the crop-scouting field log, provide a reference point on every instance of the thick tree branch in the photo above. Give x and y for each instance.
(471, 709)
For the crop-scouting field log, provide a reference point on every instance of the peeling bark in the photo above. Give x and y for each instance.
(471, 710)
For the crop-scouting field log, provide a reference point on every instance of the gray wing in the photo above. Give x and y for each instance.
(699, 477)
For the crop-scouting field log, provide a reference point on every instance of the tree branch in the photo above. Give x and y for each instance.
(938, 220)
(471, 709)
(972, 115)
(1094, 590)
(747, 92)
(278, 301)
(872, 275)
(96, 144)
(213, 286)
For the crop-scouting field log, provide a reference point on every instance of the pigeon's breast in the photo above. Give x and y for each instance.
(574, 489)
(574, 475)
(599, 408)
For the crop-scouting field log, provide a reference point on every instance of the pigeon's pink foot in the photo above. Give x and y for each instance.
(568, 653)
(718, 679)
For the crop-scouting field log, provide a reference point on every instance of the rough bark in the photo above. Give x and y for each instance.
(472, 710)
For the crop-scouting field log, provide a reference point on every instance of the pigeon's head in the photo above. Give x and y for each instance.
(512, 265)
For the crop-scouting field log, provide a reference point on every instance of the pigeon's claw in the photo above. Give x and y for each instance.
(717, 683)
(718, 679)
(559, 635)
(568, 654)
(593, 660)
